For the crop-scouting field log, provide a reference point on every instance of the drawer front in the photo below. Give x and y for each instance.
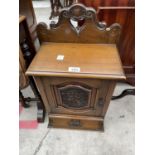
(75, 96)
(72, 122)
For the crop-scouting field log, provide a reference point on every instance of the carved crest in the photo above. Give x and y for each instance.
(78, 12)
(78, 23)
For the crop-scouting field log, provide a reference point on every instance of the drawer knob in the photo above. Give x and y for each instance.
(75, 123)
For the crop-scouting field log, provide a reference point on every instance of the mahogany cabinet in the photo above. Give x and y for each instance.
(122, 12)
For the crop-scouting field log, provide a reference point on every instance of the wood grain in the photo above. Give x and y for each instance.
(52, 98)
(95, 61)
(65, 121)
(91, 46)
(122, 12)
(96, 3)
(26, 9)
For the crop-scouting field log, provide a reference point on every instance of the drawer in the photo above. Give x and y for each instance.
(75, 122)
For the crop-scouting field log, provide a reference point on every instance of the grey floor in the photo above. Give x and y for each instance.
(117, 139)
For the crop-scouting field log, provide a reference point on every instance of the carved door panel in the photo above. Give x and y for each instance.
(75, 96)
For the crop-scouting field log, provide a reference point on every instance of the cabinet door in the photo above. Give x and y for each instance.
(75, 96)
(26, 9)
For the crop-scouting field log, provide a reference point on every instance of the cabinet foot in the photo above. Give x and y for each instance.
(40, 114)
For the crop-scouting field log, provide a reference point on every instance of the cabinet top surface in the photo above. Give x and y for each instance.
(77, 60)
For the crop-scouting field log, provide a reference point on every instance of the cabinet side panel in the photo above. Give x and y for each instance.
(109, 94)
(40, 87)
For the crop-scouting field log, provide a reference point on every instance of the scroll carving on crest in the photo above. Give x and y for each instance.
(78, 23)
(78, 12)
